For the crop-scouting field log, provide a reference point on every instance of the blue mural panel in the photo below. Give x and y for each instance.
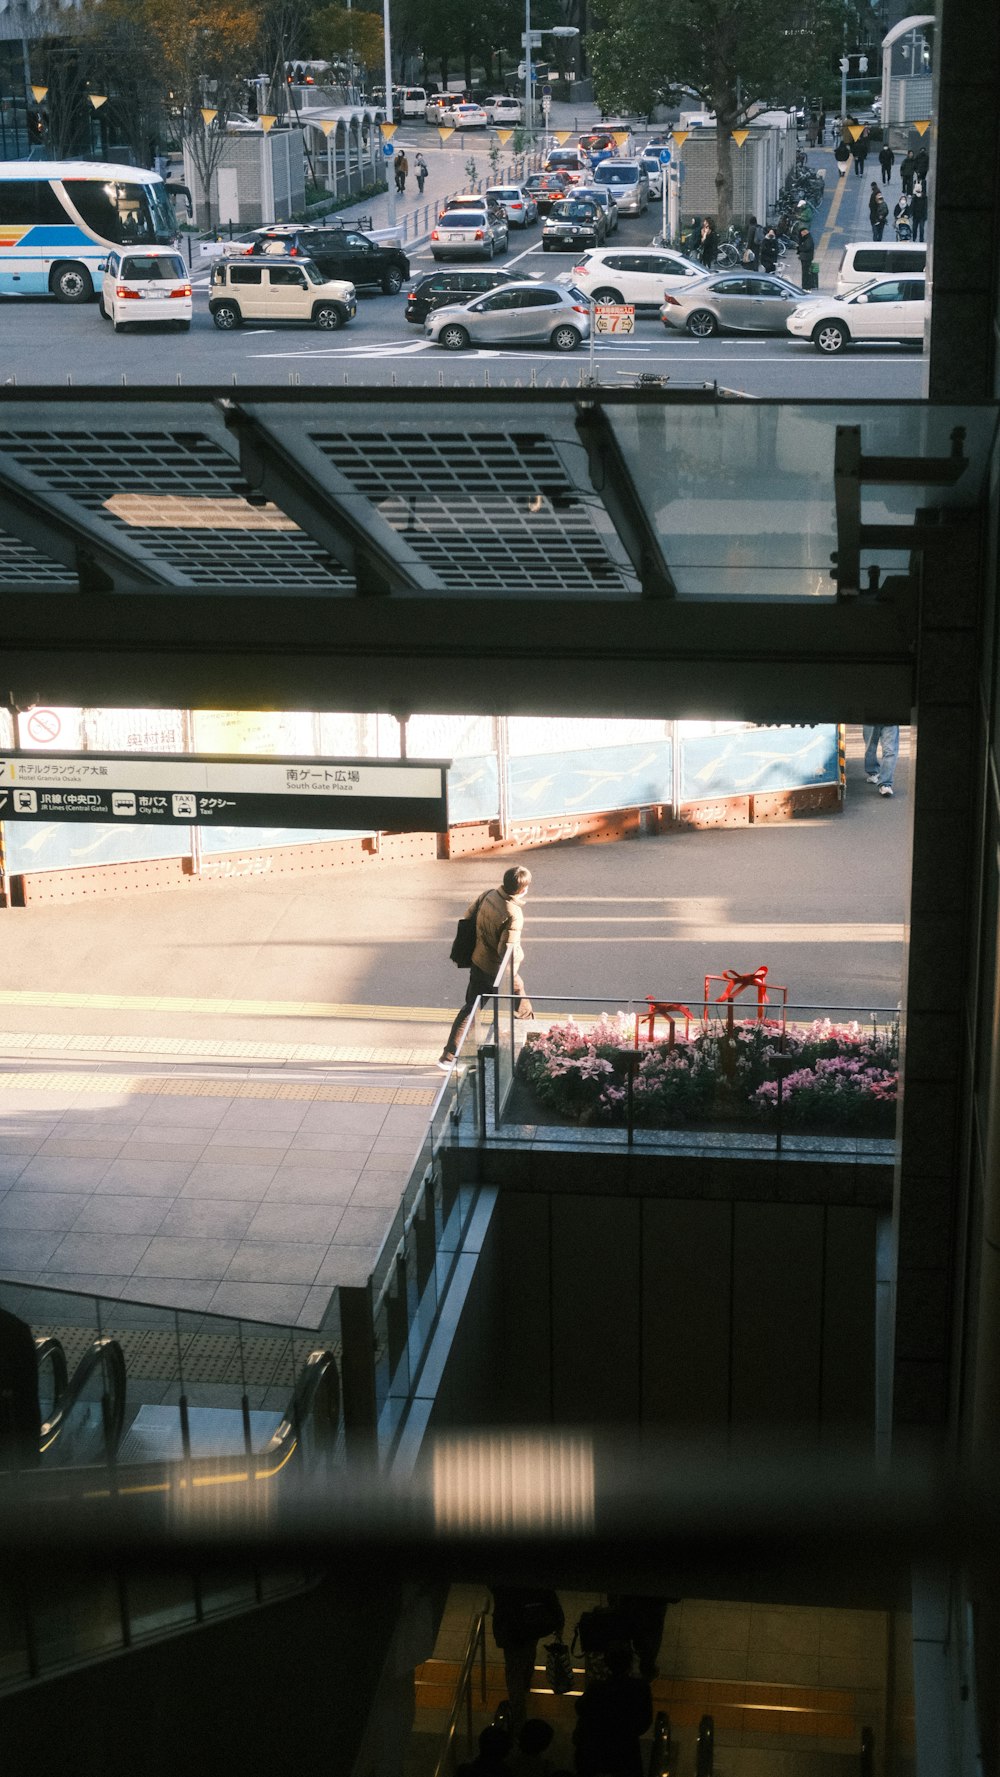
(749, 761)
(589, 780)
(474, 789)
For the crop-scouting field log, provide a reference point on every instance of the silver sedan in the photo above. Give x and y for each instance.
(522, 314)
(737, 302)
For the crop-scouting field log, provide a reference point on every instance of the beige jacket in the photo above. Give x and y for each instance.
(498, 927)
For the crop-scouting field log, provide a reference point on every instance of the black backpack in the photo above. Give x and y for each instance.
(465, 936)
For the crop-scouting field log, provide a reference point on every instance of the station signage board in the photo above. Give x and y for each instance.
(192, 789)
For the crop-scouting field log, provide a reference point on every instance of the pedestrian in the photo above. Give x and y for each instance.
(708, 243)
(886, 160)
(860, 152)
(921, 163)
(769, 251)
(805, 247)
(612, 1714)
(906, 172)
(521, 1617)
(751, 243)
(842, 155)
(878, 211)
(531, 1758)
(901, 212)
(401, 167)
(499, 923)
(491, 1759)
(918, 207)
(886, 736)
(421, 170)
(821, 128)
(645, 1616)
(20, 1413)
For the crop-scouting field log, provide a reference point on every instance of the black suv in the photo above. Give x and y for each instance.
(440, 287)
(340, 253)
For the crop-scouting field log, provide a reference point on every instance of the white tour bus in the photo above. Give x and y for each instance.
(60, 218)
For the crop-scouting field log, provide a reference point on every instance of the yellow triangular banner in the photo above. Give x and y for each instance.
(444, 132)
(621, 137)
(327, 127)
(921, 128)
(562, 136)
(267, 120)
(679, 137)
(38, 93)
(739, 137)
(503, 137)
(97, 100)
(854, 130)
(388, 131)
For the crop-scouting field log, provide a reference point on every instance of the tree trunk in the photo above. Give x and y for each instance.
(726, 108)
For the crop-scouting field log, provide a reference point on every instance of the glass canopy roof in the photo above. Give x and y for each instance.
(567, 496)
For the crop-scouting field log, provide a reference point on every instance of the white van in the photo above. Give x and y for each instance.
(626, 179)
(412, 101)
(863, 260)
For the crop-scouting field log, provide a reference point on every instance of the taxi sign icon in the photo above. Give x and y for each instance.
(185, 808)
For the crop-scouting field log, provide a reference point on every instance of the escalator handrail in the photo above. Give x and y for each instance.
(319, 1370)
(660, 1753)
(51, 1350)
(477, 1631)
(107, 1355)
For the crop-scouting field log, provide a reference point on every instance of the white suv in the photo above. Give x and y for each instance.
(267, 288)
(503, 110)
(639, 275)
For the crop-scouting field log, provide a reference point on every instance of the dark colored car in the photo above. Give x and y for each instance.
(339, 253)
(547, 189)
(573, 222)
(441, 287)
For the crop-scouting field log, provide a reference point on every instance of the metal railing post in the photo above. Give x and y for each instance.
(357, 1327)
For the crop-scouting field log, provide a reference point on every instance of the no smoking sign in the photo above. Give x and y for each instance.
(43, 727)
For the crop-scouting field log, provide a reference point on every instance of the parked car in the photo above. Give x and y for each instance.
(571, 161)
(154, 285)
(526, 313)
(268, 288)
(861, 262)
(435, 105)
(503, 110)
(340, 252)
(496, 213)
(441, 288)
(892, 309)
(603, 195)
(743, 302)
(627, 179)
(461, 233)
(519, 205)
(571, 223)
(547, 189)
(638, 275)
(460, 116)
(412, 101)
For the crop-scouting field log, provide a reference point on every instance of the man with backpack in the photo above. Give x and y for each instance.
(499, 921)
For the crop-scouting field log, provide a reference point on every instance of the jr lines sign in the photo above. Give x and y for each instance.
(165, 789)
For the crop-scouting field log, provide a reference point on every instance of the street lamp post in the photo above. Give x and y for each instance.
(387, 159)
(547, 31)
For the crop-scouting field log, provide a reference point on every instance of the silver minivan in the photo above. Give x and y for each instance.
(627, 180)
(863, 260)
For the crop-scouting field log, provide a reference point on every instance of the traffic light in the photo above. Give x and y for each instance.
(37, 125)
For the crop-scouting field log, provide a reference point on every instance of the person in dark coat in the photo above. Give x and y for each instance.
(906, 173)
(708, 244)
(751, 244)
(921, 163)
(521, 1617)
(842, 155)
(20, 1414)
(769, 251)
(860, 152)
(878, 212)
(918, 207)
(805, 247)
(612, 1715)
(491, 1760)
(886, 160)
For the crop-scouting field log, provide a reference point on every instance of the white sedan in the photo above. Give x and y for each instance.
(887, 309)
(463, 117)
(150, 284)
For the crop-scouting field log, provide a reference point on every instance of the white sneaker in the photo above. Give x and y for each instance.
(871, 777)
(446, 1062)
(885, 789)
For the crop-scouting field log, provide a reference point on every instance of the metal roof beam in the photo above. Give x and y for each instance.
(321, 508)
(90, 547)
(611, 479)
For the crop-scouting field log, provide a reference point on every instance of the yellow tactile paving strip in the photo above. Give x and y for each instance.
(137, 1002)
(152, 1085)
(228, 1049)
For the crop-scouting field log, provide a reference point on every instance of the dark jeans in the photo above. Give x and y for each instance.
(886, 175)
(480, 986)
(877, 228)
(919, 223)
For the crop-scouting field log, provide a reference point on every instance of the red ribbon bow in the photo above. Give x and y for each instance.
(738, 983)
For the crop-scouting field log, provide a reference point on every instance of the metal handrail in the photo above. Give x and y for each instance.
(106, 1355)
(661, 1752)
(475, 1642)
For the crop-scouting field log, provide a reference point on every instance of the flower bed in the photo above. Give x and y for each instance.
(839, 1078)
